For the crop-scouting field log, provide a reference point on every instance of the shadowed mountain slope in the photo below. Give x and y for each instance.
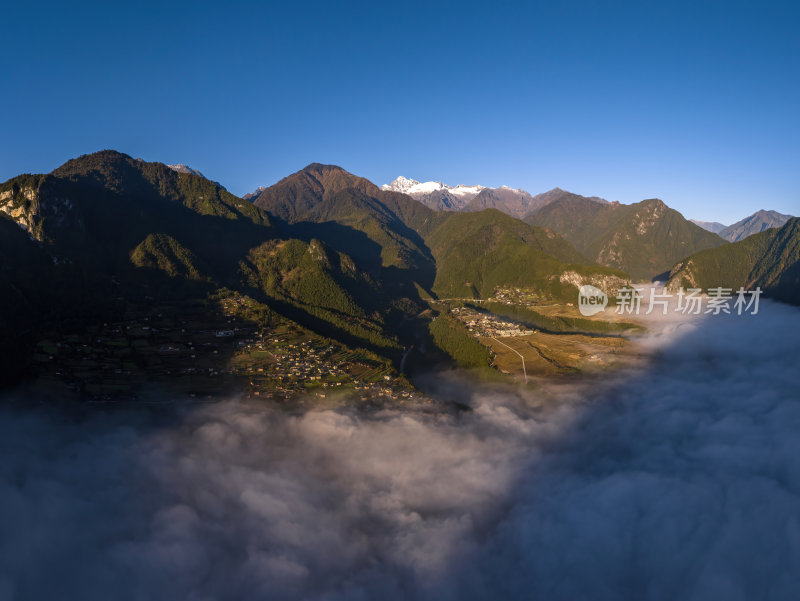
(121, 227)
(770, 259)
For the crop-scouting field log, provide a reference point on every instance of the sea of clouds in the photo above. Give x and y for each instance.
(676, 480)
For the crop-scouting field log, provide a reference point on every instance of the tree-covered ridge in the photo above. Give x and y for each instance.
(165, 253)
(456, 341)
(643, 239)
(493, 224)
(770, 260)
(292, 269)
(347, 212)
(119, 173)
(298, 193)
(753, 224)
(576, 218)
(318, 286)
(779, 268)
(398, 245)
(479, 252)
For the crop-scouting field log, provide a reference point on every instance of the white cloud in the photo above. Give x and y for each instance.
(676, 481)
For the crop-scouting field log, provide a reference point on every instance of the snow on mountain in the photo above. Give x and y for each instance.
(412, 186)
(427, 187)
(467, 192)
(254, 193)
(401, 184)
(435, 194)
(181, 168)
(442, 197)
(513, 201)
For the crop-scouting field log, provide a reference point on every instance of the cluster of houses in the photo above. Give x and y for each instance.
(515, 296)
(291, 362)
(177, 346)
(287, 366)
(181, 349)
(487, 324)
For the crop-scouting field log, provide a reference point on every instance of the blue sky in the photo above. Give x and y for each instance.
(695, 103)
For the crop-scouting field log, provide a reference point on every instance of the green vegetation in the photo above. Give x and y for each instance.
(313, 283)
(125, 176)
(643, 239)
(160, 251)
(454, 339)
(770, 259)
(753, 224)
(412, 251)
(478, 252)
(250, 310)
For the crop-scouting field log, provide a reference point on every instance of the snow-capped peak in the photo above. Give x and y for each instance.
(415, 188)
(254, 193)
(401, 184)
(181, 168)
(426, 187)
(463, 191)
(442, 197)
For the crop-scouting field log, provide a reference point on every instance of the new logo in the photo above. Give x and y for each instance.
(591, 300)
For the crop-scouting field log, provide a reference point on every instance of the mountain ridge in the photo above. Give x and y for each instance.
(769, 259)
(753, 224)
(643, 239)
(513, 201)
(504, 231)
(715, 227)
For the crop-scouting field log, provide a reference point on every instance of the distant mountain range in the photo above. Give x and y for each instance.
(710, 226)
(769, 259)
(521, 204)
(754, 224)
(254, 193)
(512, 201)
(435, 195)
